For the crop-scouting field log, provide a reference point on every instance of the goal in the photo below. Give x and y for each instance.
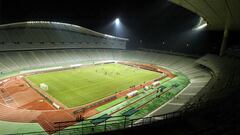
(43, 86)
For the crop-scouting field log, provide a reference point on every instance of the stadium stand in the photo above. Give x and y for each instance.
(30, 46)
(214, 110)
(42, 34)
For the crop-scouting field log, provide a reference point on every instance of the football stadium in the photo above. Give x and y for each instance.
(62, 78)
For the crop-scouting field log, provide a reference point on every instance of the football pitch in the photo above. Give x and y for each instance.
(76, 87)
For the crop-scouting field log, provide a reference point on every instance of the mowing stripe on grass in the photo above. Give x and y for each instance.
(76, 87)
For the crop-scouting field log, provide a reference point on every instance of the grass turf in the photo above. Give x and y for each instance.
(15, 127)
(75, 87)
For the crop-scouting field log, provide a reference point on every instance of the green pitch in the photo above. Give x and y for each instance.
(75, 87)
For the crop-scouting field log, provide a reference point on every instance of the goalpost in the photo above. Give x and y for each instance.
(43, 86)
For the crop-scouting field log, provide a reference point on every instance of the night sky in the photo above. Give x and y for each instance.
(156, 24)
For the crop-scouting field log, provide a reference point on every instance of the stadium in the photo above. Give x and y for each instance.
(62, 78)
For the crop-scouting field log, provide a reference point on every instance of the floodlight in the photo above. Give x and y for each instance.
(117, 21)
(201, 25)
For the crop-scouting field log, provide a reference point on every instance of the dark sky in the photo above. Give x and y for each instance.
(152, 21)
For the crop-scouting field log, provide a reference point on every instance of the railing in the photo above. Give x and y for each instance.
(115, 122)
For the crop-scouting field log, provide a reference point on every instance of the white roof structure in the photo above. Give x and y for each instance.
(218, 13)
(58, 26)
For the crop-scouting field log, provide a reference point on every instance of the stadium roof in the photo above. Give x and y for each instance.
(217, 13)
(57, 26)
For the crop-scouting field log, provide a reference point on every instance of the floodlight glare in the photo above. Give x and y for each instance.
(202, 24)
(117, 21)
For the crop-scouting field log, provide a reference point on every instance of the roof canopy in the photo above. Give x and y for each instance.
(218, 13)
(58, 26)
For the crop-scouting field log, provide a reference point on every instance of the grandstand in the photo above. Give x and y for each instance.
(59, 46)
(33, 47)
(54, 35)
(163, 67)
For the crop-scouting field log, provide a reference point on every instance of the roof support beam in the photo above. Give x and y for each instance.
(216, 12)
(224, 41)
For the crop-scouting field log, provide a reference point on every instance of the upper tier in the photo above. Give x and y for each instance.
(34, 35)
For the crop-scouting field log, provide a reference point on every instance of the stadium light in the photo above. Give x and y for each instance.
(117, 21)
(117, 26)
(201, 25)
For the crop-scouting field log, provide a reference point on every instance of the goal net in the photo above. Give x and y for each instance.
(43, 86)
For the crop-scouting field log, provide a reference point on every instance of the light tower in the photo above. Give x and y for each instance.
(117, 24)
(117, 21)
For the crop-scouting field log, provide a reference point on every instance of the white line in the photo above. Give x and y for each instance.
(8, 99)
(189, 94)
(200, 81)
(195, 86)
(178, 104)
(167, 102)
